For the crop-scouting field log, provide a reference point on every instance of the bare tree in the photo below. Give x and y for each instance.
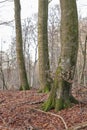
(19, 48)
(2, 54)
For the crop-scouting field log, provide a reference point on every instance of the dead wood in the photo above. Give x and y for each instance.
(52, 114)
(79, 126)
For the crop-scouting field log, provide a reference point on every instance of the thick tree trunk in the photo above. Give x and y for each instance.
(43, 46)
(60, 96)
(19, 48)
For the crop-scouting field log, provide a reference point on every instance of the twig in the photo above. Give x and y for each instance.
(4, 122)
(60, 117)
(3, 1)
(79, 126)
(2, 101)
(31, 103)
(27, 102)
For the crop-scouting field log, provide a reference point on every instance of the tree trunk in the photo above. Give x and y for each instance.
(82, 77)
(60, 96)
(19, 48)
(44, 66)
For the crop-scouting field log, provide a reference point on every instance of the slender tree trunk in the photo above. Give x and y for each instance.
(4, 86)
(82, 78)
(3, 79)
(19, 47)
(44, 66)
(60, 96)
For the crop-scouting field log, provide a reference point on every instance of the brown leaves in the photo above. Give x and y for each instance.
(20, 110)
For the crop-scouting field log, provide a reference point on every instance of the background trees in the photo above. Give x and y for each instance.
(54, 37)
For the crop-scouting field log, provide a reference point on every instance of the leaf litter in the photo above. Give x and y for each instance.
(20, 110)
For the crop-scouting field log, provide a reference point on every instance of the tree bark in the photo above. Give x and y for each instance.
(19, 47)
(60, 96)
(44, 66)
(82, 77)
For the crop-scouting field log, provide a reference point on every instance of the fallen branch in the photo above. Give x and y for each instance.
(41, 101)
(4, 122)
(60, 117)
(27, 102)
(79, 126)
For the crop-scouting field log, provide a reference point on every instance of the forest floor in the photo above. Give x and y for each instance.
(20, 110)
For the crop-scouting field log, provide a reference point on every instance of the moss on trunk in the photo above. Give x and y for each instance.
(24, 88)
(60, 95)
(59, 104)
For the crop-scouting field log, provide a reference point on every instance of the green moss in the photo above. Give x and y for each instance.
(59, 69)
(63, 102)
(59, 104)
(49, 104)
(40, 91)
(24, 88)
(46, 89)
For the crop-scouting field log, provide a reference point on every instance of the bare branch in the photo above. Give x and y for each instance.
(3, 1)
(49, 1)
(2, 23)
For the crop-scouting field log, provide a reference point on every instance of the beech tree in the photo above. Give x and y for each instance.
(44, 66)
(19, 47)
(60, 96)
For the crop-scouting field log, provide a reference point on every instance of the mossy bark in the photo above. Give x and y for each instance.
(44, 67)
(19, 48)
(60, 96)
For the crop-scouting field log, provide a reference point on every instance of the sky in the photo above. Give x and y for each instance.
(28, 8)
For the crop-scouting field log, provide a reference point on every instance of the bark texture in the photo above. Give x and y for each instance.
(19, 48)
(60, 96)
(44, 66)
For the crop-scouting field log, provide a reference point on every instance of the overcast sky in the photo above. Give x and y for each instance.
(28, 8)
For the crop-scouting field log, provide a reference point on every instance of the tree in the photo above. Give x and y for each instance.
(19, 48)
(60, 96)
(30, 44)
(82, 78)
(44, 66)
(2, 75)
